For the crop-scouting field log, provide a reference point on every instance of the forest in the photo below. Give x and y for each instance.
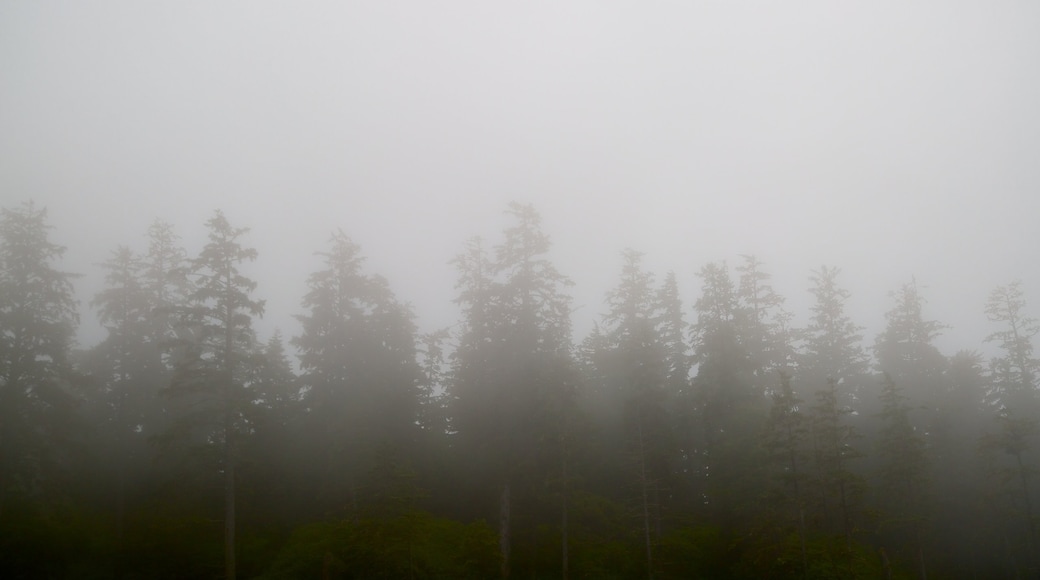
(693, 433)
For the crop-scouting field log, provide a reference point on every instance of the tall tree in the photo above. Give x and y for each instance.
(164, 277)
(38, 319)
(905, 351)
(1014, 392)
(832, 343)
(763, 323)
(672, 328)
(513, 358)
(838, 490)
(121, 363)
(730, 404)
(631, 370)
(219, 341)
(786, 441)
(904, 474)
(359, 372)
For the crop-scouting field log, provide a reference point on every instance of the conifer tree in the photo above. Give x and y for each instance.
(38, 319)
(1014, 392)
(905, 351)
(359, 370)
(217, 342)
(904, 474)
(832, 343)
(730, 404)
(513, 358)
(837, 489)
(786, 441)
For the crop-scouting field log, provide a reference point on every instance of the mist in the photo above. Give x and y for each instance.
(890, 150)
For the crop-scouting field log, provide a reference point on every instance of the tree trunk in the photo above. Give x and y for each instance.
(504, 540)
(563, 527)
(229, 501)
(229, 475)
(644, 484)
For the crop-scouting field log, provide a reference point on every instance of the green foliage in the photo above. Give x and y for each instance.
(411, 545)
(38, 319)
(364, 462)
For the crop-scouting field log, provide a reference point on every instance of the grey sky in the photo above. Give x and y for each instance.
(890, 139)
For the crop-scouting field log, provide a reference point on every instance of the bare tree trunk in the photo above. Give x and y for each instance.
(504, 540)
(563, 527)
(229, 499)
(644, 483)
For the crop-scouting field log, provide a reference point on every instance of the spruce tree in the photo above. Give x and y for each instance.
(38, 320)
(217, 341)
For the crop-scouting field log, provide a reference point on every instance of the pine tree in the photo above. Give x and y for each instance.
(511, 385)
(217, 341)
(1014, 392)
(763, 323)
(786, 442)
(672, 328)
(359, 371)
(832, 346)
(632, 369)
(730, 405)
(838, 490)
(121, 363)
(905, 351)
(903, 470)
(38, 319)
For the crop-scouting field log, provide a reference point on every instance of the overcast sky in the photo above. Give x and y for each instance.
(890, 139)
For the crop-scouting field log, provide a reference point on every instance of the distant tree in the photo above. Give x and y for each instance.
(217, 343)
(730, 405)
(164, 277)
(672, 328)
(787, 444)
(511, 384)
(961, 526)
(38, 319)
(630, 377)
(127, 382)
(832, 343)
(359, 373)
(837, 490)
(905, 351)
(1015, 373)
(904, 473)
(1014, 393)
(763, 323)
(39, 430)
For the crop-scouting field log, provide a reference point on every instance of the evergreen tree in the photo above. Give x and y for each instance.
(1014, 392)
(632, 371)
(786, 441)
(511, 386)
(218, 341)
(905, 351)
(730, 405)
(38, 424)
(763, 323)
(359, 373)
(38, 319)
(832, 343)
(837, 490)
(672, 329)
(903, 471)
(121, 364)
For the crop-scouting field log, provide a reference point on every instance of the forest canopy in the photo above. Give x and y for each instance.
(693, 432)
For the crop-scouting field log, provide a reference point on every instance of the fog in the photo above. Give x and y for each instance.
(891, 141)
(898, 142)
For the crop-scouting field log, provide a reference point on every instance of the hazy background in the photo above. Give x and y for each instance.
(891, 140)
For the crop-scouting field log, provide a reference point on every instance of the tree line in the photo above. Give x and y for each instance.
(685, 436)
